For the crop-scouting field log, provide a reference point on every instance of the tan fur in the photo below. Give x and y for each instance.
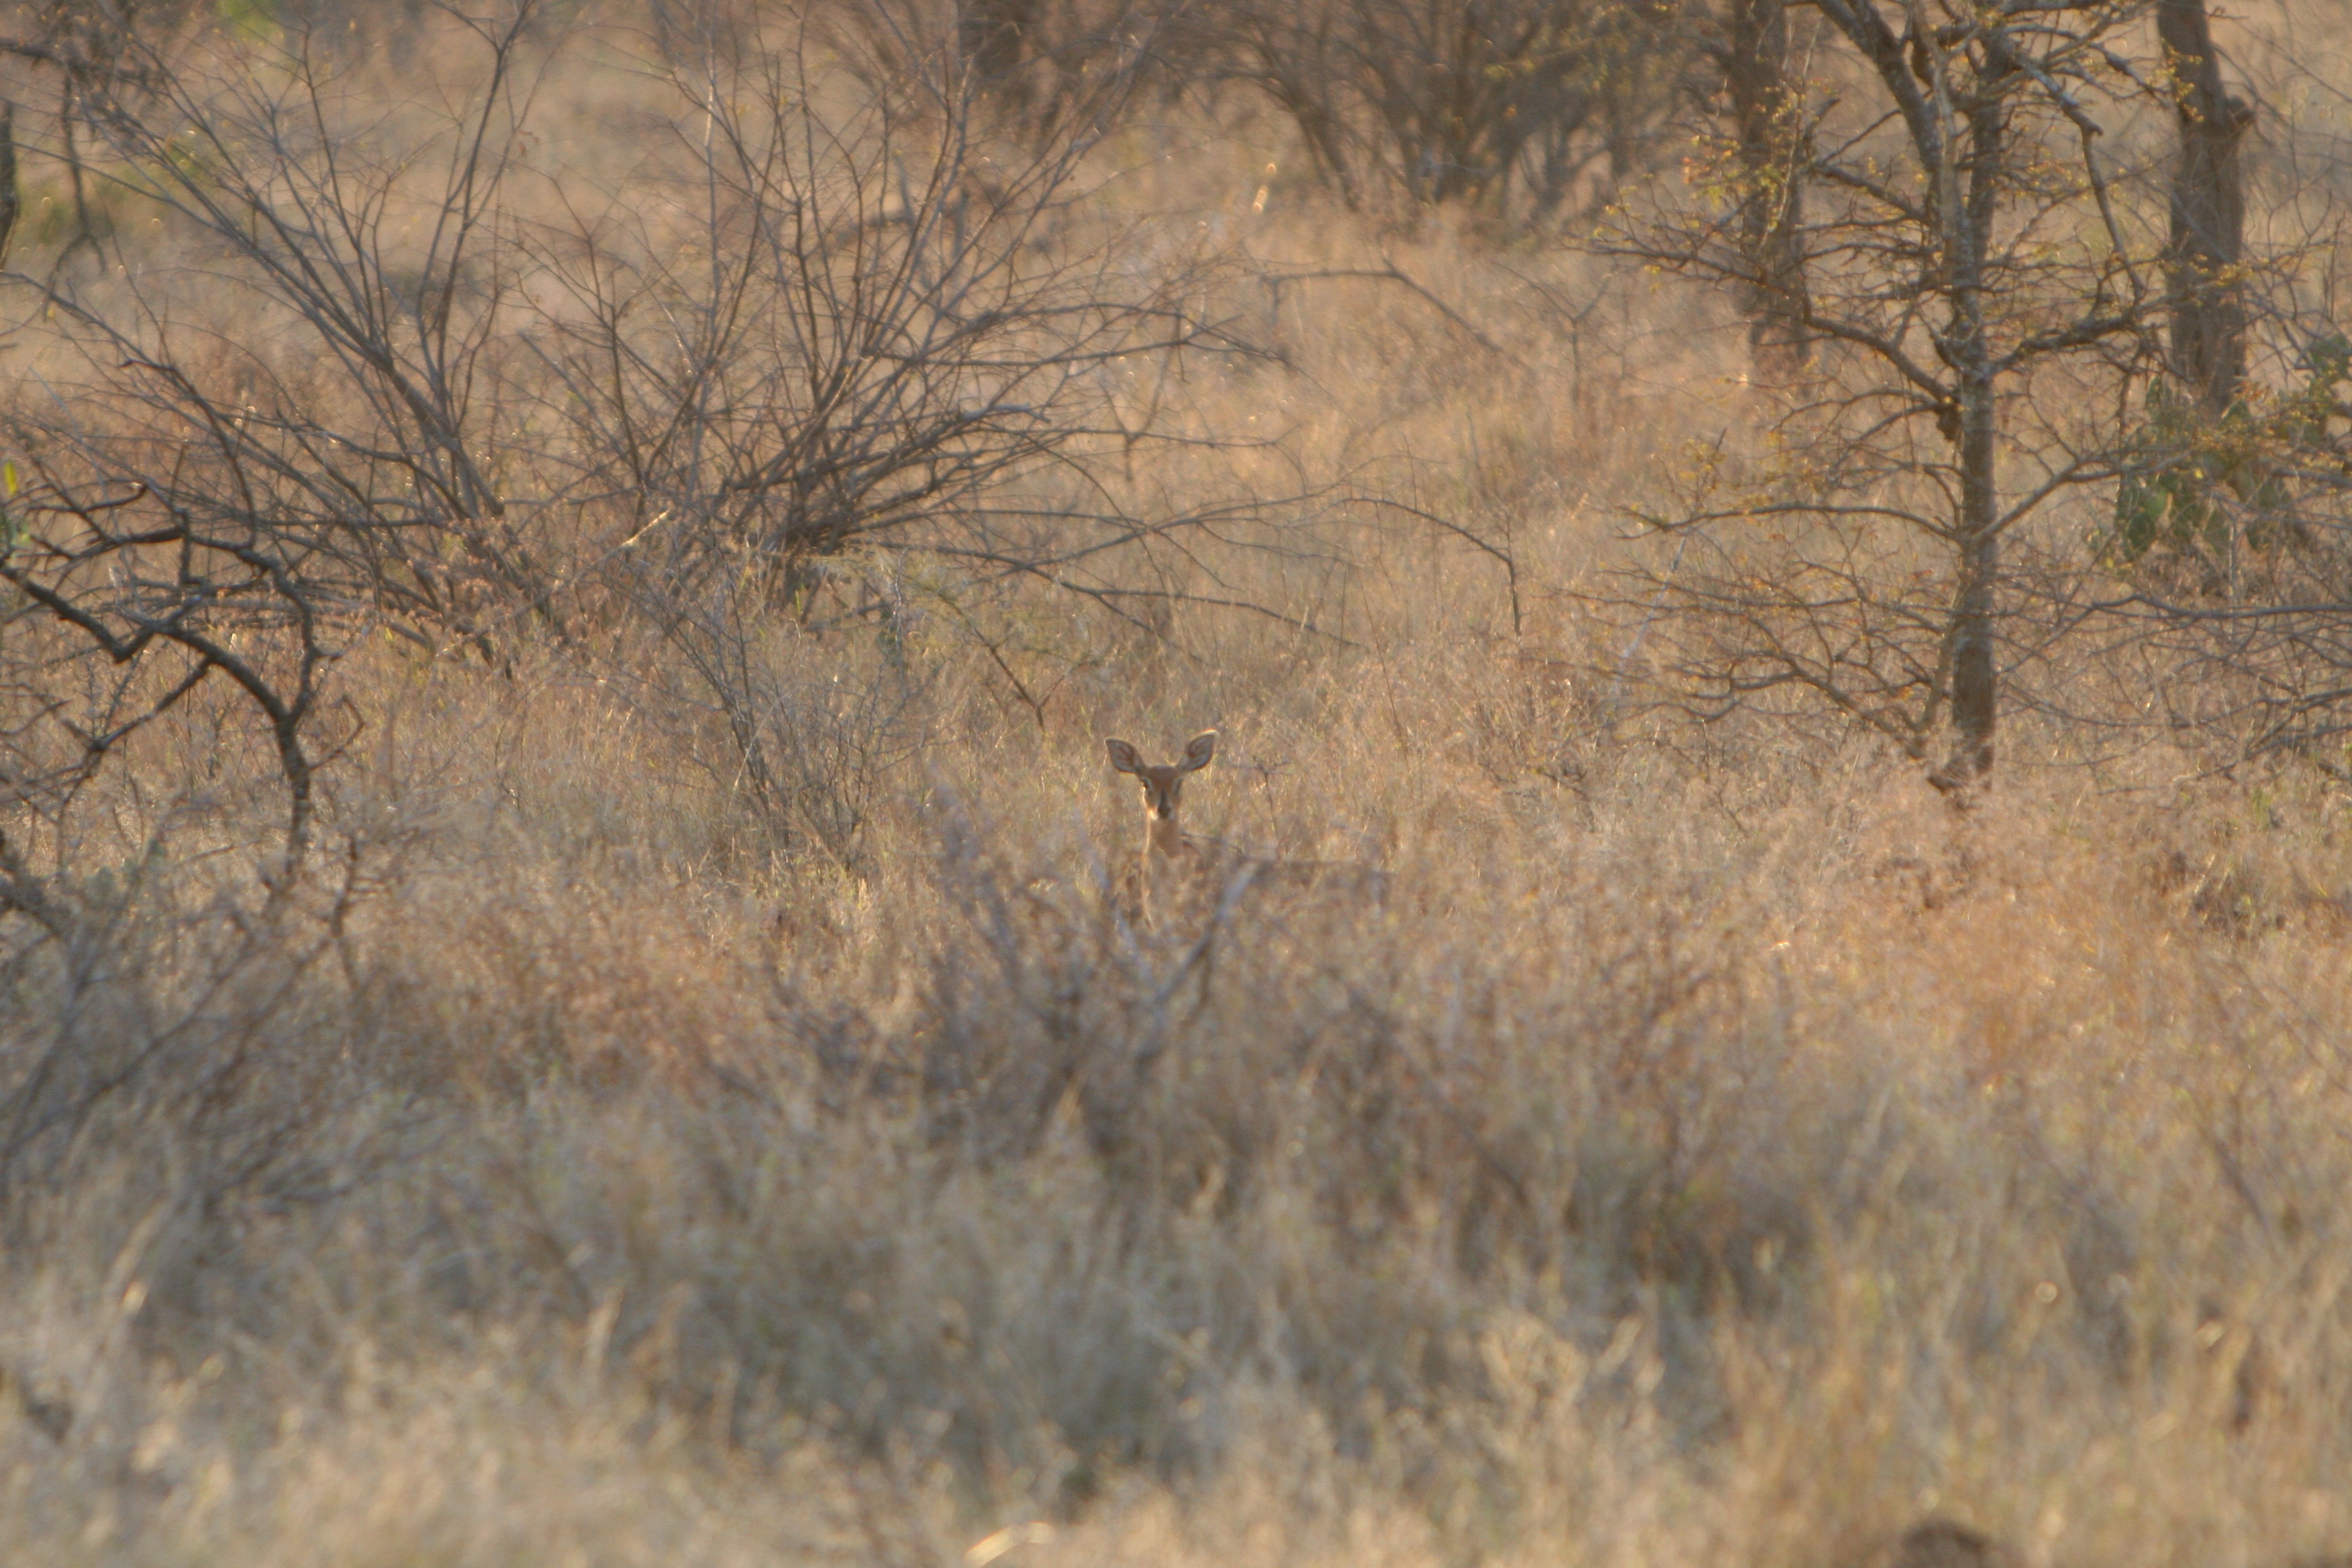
(1167, 854)
(1172, 859)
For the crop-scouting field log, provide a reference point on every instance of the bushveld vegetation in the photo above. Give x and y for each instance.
(571, 991)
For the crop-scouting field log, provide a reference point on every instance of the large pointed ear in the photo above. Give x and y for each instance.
(1200, 750)
(1123, 757)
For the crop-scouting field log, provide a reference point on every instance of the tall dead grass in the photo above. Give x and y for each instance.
(1709, 1146)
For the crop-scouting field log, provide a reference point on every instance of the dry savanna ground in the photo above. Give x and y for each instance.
(1700, 1143)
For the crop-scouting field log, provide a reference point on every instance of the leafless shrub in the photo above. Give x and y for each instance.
(1528, 112)
(809, 728)
(1039, 69)
(124, 611)
(1969, 365)
(162, 1013)
(346, 415)
(870, 328)
(872, 332)
(205, 508)
(92, 52)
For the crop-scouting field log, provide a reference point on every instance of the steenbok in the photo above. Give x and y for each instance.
(1173, 859)
(1168, 854)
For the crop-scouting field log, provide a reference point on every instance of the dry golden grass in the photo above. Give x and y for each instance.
(1711, 1147)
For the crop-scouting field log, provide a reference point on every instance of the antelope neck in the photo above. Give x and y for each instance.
(1165, 840)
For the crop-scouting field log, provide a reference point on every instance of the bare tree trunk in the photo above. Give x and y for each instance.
(2208, 210)
(1764, 110)
(1967, 220)
(1936, 295)
(1974, 673)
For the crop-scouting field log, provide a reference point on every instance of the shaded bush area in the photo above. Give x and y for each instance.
(1687, 1142)
(1530, 114)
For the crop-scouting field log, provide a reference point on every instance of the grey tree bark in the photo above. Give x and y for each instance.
(1969, 200)
(2208, 210)
(1765, 113)
(1960, 140)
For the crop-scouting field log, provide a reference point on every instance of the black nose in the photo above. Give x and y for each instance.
(1163, 810)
